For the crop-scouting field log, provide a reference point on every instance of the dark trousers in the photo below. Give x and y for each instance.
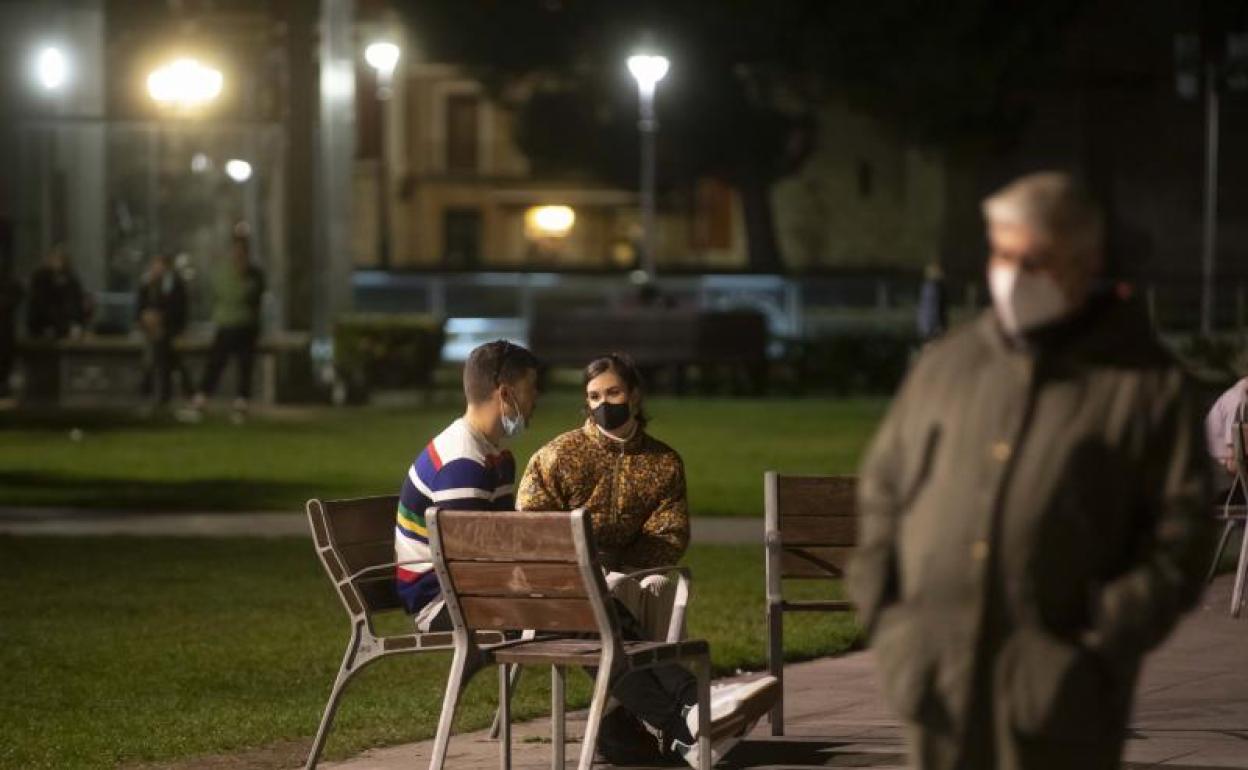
(656, 695)
(160, 361)
(239, 343)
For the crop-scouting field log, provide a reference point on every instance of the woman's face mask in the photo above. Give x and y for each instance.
(610, 416)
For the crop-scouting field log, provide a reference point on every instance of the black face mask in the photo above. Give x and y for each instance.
(611, 416)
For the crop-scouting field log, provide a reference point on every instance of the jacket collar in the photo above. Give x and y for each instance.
(1111, 318)
(633, 445)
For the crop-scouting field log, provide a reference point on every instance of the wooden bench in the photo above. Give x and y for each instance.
(810, 531)
(530, 570)
(355, 542)
(656, 338)
(106, 370)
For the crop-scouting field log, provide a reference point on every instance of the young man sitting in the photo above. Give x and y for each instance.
(463, 467)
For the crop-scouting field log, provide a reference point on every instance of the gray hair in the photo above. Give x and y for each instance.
(1055, 205)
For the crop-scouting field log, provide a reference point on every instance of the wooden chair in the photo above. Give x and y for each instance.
(810, 530)
(532, 570)
(355, 542)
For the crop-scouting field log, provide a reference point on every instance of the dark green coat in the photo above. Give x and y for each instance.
(1033, 519)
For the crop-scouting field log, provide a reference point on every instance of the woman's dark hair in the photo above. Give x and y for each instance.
(626, 370)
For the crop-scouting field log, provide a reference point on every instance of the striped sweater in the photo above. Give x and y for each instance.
(460, 469)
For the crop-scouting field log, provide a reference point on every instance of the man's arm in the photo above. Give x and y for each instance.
(665, 534)
(872, 577)
(1139, 608)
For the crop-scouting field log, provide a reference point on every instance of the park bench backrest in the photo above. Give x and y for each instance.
(354, 535)
(814, 519)
(506, 570)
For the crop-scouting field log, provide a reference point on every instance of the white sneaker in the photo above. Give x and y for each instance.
(726, 701)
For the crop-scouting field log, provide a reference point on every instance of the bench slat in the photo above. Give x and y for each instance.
(484, 535)
(359, 556)
(816, 495)
(497, 613)
(363, 520)
(517, 579)
(818, 530)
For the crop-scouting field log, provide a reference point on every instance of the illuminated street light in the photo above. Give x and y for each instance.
(648, 70)
(549, 221)
(185, 83)
(51, 68)
(383, 56)
(238, 170)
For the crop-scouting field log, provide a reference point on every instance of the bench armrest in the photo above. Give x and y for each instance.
(680, 603)
(378, 568)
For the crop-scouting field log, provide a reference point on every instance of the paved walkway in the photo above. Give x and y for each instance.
(1191, 713)
(16, 520)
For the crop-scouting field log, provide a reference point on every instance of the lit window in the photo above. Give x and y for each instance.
(548, 221)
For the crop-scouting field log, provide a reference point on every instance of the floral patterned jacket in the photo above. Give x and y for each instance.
(634, 492)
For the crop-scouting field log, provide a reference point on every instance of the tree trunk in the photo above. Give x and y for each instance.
(762, 251)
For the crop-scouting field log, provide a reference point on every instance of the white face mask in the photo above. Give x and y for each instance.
(513, 425)
(1023, 299)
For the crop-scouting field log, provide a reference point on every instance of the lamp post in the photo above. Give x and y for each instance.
(648, 70)
(184, 83)
(383, 57)
(51, 69)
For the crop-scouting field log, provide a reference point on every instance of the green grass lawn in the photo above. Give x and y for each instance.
(129, 650)
(279, 461)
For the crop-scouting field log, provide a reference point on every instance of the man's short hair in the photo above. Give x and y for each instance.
(493, 364)
(1054, 204)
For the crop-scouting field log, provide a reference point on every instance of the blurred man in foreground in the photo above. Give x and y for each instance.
(1033, 508)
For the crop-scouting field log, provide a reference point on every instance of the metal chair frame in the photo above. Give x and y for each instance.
(813, 555)
(611, 655)
(365, 645)
(1235, 516)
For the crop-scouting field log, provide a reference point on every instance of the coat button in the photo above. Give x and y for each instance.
(1001, 451)
(979, 550)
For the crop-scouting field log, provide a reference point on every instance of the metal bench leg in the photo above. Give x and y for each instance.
(504, 717)
(1241, 576)
(596, 705)
(514, 668)
(458, 677)
(558, 722)
(704, 713)
(345, 671)
(1227, 529)
(775, 663)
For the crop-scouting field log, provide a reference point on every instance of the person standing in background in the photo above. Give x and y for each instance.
(238, 287)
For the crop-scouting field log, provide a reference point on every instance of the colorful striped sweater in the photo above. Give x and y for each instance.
(458, 469)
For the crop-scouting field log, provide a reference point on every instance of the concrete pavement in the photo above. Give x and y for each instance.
(1191, 713)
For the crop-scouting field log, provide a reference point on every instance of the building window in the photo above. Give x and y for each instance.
(866, 179)
(462, 134)
(461, 238)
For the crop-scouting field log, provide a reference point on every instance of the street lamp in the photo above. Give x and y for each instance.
(51, 68)
(238, 170)
(383, 56)
(185, 83)
(648, 70)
